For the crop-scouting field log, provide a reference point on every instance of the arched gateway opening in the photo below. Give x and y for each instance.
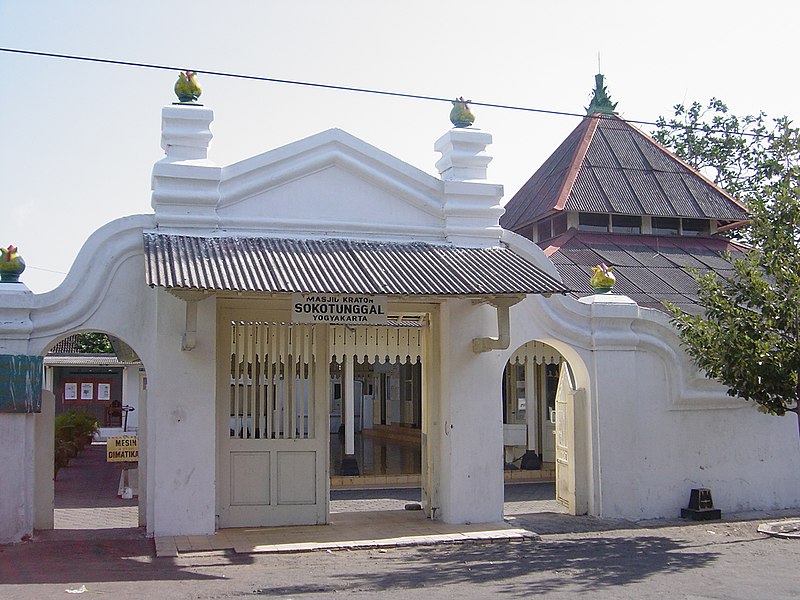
(97, 389)
(544, 428)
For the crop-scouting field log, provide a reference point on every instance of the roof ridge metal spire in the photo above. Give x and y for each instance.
(601, 101)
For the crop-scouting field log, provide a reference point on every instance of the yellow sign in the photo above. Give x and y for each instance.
(122, 449)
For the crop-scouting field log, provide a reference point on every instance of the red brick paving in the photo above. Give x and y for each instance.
(86, 498)
(96, 537)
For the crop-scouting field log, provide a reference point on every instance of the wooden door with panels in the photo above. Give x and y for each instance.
(272, 411)
(573, 470)
(565, 440)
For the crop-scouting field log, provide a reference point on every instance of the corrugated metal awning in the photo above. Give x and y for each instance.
(338, 266)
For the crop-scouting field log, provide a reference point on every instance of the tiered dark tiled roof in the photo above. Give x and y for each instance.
(69, 345)
(606, 165)
(649, 269)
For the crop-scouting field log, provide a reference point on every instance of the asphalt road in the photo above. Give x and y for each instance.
(582, 557)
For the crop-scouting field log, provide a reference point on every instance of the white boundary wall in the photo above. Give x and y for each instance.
(652, 427)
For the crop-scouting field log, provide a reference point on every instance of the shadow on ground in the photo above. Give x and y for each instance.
(99, 560)
(547, 522)
(585, 565)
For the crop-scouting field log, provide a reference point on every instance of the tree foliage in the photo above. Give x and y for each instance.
(748, 337)
(745, 155)
(94, 343)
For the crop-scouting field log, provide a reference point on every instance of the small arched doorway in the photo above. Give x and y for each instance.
(97, 386)
(545, 424)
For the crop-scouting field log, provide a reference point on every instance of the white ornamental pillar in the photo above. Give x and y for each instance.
(185, 183)
(186, 132)
(17, 412)
(464, 156)
(472, 207)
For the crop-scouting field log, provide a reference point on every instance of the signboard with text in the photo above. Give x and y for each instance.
(122, 449)
(336, 309)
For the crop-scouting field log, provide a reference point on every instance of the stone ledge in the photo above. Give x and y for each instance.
(782, 529)
(415, 480)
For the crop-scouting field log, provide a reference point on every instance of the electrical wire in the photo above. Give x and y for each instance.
(46, 270)
(359, 90)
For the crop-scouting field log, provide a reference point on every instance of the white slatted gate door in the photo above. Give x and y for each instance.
(565, 440)
(273, 458)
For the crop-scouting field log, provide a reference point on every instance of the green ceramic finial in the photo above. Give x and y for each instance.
(602, 279)
(11, 265)
(461, 115)
(186, 87)
(601, 101)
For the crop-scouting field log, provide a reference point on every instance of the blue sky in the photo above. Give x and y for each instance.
(79, 140)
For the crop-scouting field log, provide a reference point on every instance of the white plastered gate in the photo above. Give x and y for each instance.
(273, 411)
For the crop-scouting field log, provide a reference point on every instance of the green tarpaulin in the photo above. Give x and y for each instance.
(20, 383)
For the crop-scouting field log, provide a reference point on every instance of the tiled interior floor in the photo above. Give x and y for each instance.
(390, 462)
(378, 456)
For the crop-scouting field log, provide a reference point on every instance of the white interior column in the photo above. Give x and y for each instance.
(133, 394)
(531, 460)
(349, 467)
(124, 396)
(531, 404)
(348, 405)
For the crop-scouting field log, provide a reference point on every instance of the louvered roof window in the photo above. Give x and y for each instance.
(593, 222)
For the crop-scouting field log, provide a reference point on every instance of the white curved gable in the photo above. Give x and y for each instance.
(331, 183)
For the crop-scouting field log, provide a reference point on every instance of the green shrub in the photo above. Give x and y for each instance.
(78, 425)
(73, 430)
